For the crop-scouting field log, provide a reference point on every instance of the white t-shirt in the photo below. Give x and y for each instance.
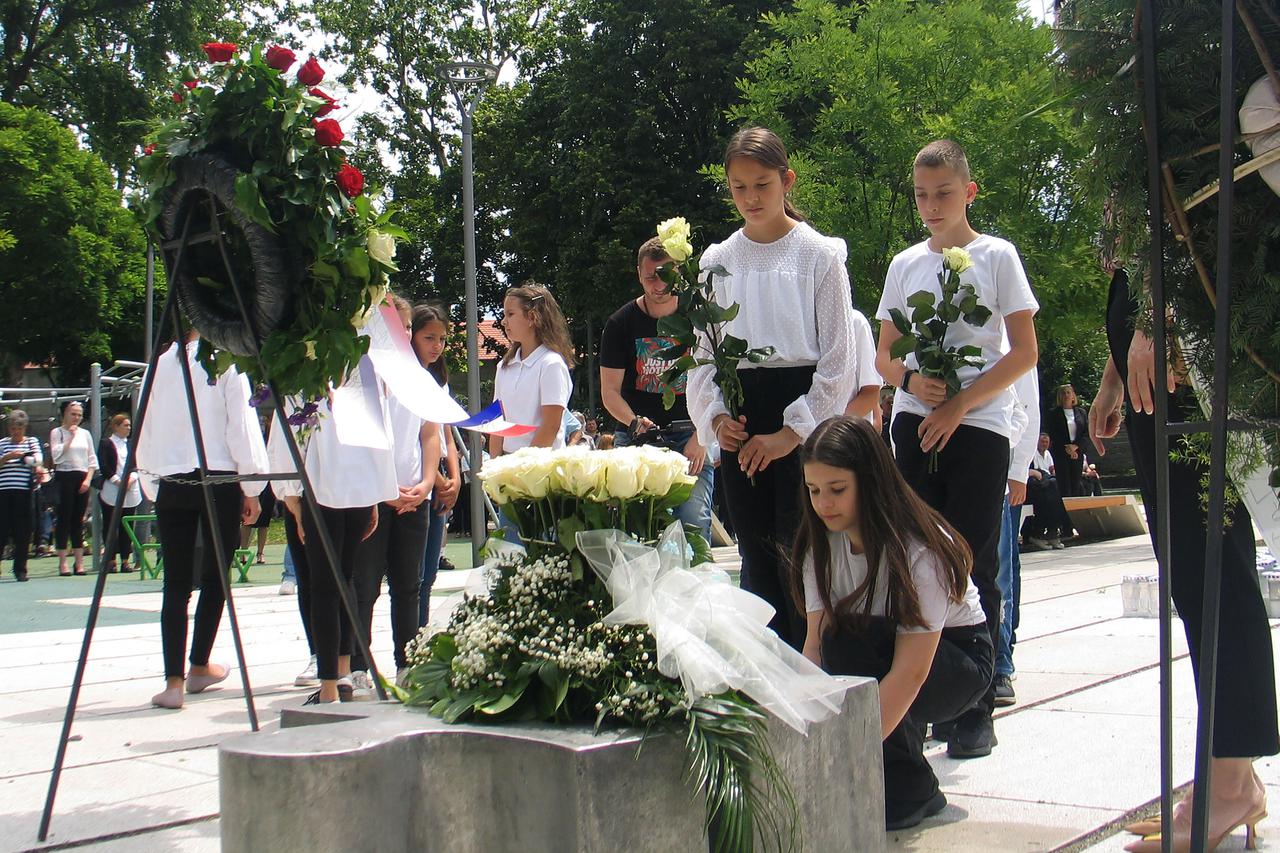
(1001, 285)
(525, 385)
(793, 295)
(849, 569)
(865, 352)
(406, 438)
(1042, 462)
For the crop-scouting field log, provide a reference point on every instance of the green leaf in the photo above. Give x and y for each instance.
(903, 347)
(356, 265)
(567, 530)
(920, 299)
(249, 202)
(900, 321)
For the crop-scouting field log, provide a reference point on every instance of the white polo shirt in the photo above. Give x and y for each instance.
(525, 385)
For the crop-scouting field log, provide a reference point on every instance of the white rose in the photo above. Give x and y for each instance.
(311, 350)
(623, 478)
(382, 247)
(956, 259)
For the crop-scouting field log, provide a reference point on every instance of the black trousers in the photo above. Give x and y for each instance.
(15, 526)
(330, 628)
(395, 550)
(967, 489)
(1070, 474)
(958, 679)
(72, 504)
(301, 571)
(180, 519)
(124, 545)
(1245, 704)
(766, 513)
(1051, 516)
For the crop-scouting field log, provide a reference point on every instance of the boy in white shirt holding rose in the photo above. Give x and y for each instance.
(969, 430)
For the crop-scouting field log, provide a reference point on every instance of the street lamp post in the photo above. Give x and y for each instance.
(468, 81)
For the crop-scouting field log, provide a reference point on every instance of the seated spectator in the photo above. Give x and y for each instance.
(1050, 524)
(1089, 478)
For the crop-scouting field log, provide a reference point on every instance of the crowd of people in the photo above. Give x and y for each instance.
(877, 510)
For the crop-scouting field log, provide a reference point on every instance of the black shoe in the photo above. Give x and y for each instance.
(929, 808)
(974, 736)
(446, 565)
(942, 731)
(1004, 692)
(22, 578)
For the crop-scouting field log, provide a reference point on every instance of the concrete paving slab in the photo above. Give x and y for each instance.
(1007, 825)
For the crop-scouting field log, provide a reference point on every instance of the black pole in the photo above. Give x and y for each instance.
(100, 584)
(1155, 203)
(1208, 675)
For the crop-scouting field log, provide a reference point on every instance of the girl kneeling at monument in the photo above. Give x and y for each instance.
(884, 581)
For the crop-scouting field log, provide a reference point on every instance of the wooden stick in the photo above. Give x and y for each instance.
(1256, 37)
(1208, 191)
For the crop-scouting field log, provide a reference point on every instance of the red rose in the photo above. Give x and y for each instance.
(280, 58)
(350, 180)
(310, 74)
(220, 51)
(191, 84)
(330, 103)
(178, 97)
(328, 132)
(149, 150)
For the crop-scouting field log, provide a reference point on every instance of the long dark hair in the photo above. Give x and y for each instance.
(893, 521)
(766, 148)
(422, 315)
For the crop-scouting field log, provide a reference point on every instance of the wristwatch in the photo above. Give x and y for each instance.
(906, 381)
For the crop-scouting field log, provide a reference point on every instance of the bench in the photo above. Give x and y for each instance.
(1102, 516)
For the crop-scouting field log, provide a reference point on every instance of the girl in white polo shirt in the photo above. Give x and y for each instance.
(533, 381)
(884, 581)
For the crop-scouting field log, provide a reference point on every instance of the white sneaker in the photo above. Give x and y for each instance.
(362, 687)
(288, 587)
(308, 678)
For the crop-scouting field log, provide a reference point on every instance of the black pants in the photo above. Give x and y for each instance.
(1245, 705)
(958, 679)
(1070, 474)
(766, 513)
(330, 627)
(124, 545)
(180, 518)
(1051, 518)
(968, 491)
(15, 526)
(395, 550)
(72, 504)
(301, 571)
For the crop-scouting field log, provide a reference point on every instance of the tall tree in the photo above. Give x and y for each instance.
(857, 89)
(73, 272)
(99, 66)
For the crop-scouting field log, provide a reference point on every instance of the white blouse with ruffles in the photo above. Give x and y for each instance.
(793, 295)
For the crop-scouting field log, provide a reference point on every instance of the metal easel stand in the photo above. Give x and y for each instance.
(174, 251)
(1161, 196)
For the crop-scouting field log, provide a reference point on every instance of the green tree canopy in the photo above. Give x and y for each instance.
(857, 89)
(73, 272)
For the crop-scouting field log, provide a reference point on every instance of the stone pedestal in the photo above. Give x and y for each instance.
(381, 777)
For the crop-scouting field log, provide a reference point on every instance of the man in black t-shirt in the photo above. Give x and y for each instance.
(631, 384)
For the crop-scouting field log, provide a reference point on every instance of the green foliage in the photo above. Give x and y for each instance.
(856, 89)
(100, 66)
(72, 270)
(264, 122)
(1103, 78)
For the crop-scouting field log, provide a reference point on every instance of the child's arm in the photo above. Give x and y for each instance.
(1023, 353)
(867, 399)
(551, 419)
(495, 446)
(815, 624)
(912, 660)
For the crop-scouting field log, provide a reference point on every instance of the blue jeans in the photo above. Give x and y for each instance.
(289, 573)
(696, 510)
(1009, 580)
(437, 522)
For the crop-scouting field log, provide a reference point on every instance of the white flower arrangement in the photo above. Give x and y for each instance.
(622, 473)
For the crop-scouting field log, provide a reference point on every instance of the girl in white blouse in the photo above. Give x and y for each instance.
(793, 291)
(74, 461)
(885, 583)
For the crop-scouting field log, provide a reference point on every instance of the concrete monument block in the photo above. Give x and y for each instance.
(381, 777)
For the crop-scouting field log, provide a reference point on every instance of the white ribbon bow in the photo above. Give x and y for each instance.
(710, 634)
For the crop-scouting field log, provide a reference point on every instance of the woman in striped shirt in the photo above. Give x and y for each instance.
(20, 458)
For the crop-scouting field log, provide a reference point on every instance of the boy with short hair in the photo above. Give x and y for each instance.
(971, 429)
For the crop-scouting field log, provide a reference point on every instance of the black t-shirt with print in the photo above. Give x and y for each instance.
(630, 342)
